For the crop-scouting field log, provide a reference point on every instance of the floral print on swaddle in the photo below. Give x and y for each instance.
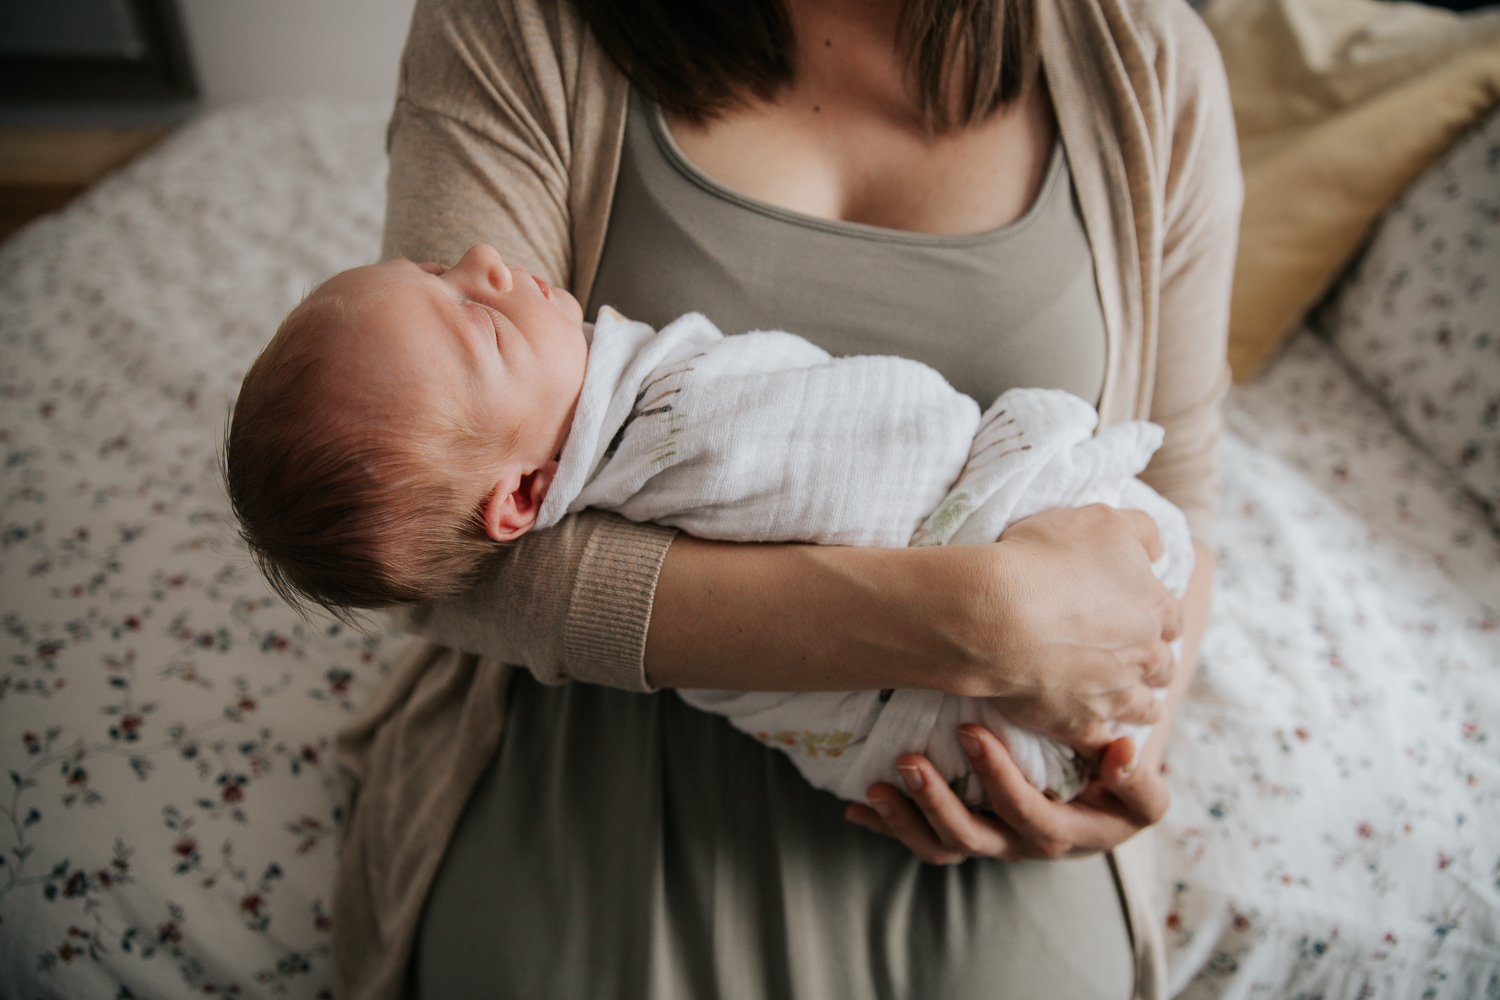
(1035, 450)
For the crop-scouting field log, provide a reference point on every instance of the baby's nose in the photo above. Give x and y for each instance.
(487, 263)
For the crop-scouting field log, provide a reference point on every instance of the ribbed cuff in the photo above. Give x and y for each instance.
(604, 639)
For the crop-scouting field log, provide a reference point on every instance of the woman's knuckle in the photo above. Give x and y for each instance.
(902, 826)
(984, 765)
(1156, 810)
(1096, 734)
(1120, 702)
(1043, 821)
(969, 842)
(1053, 850)
(1167, 609)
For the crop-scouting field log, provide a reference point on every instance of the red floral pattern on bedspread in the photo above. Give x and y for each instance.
(168, 821)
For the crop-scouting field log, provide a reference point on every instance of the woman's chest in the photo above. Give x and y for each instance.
(1012, 306)
(821, 154)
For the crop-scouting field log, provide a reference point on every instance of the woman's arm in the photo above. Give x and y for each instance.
(1063, 617)
(1202, 194)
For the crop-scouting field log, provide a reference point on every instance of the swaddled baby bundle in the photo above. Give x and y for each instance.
(765, 437)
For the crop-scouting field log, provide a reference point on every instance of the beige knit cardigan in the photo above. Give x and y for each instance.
(507, 130)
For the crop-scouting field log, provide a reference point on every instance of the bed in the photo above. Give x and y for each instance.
(171, 817)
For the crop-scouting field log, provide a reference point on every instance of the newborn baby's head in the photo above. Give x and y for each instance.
(403, 419)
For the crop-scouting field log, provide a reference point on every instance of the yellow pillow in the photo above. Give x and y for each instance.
(1340, 104)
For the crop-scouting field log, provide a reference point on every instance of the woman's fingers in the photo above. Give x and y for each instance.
(1161, 665)
(1171, 626)
(1039, 823)
(892, 814)
(1141, 793)
(934, 823)
(1145, 529)
(1168, 607)
(1115, 806)
(955, 826)
(1139, 706)
(940, 829)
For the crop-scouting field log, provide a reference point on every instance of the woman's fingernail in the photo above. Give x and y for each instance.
(971, 744)
(882, 807)
(912, 775)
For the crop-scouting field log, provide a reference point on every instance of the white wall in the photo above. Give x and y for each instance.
(254, 49)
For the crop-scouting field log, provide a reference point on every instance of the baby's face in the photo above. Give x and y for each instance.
(491, 340)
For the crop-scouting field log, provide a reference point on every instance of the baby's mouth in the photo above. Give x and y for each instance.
(546, 288)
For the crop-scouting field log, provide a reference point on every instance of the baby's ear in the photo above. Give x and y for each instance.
(512, 508)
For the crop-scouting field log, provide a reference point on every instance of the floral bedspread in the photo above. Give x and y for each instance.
(1335, 825)
(169, 816)
(170, 812)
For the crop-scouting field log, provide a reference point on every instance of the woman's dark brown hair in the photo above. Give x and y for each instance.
(697, 58)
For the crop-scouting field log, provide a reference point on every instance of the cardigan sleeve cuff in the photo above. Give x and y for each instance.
(604, 638)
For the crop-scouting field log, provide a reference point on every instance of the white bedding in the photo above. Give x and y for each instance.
(1335, 825)
(169, 823)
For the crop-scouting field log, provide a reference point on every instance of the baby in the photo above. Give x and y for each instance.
(404, 418)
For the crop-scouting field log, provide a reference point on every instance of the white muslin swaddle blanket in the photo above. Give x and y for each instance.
(766, 437)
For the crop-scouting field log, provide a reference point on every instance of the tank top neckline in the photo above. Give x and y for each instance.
(1056, 171)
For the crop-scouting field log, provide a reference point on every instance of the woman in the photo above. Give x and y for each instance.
(1018, 196)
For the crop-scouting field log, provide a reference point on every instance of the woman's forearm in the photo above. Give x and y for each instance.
(1062, 618)
(808, 617)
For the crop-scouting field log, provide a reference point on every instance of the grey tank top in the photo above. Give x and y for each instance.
(1014, 306)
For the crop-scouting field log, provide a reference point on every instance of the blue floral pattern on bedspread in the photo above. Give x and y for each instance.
(169, 821)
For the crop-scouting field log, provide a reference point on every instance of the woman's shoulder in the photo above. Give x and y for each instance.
(1165, 25)
(1166, 35)
(1156, 72)
(479, 52)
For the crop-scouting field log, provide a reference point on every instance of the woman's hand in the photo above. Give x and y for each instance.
(1024, 823)
(1086, 627)
(941, 830)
